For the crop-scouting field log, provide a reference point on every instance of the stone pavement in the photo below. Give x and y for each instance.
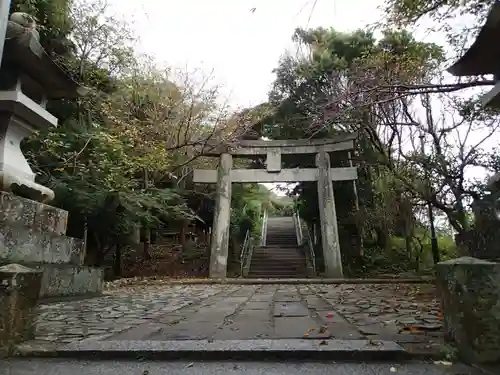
(404, 313)
(79, 367)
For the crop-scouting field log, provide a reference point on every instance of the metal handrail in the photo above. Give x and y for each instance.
(244, 251)
(247, 248)
(300, 239)
(312, 255)
(298, 228)
(263, 231)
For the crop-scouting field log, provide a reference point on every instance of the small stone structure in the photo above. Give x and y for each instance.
(31, 232)
(470, 298)
(470, 287)
(323, 174)
(19, 291)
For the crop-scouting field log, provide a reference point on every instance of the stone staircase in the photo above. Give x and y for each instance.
(281, 257)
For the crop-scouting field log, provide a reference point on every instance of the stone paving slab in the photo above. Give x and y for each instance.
(231, 350)
(121, 310)
(392, 279)
(404, 313)
(65, 366)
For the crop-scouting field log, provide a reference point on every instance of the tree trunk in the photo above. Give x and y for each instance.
(147, 232)
(146, 244)
(183, 234)
(117, 266)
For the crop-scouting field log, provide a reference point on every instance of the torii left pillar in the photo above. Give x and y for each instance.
(222, 217)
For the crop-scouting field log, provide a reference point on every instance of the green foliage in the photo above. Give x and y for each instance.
(406, 12)
(355, 82)
(122, 155)
(249, 201)
(397, 259)
(53, 20)
(117, 161)
(443, 14)
(308, 88)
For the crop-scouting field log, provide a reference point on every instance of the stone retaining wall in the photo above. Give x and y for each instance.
(33, 234)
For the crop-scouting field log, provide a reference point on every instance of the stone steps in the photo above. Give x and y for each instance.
(280, 258)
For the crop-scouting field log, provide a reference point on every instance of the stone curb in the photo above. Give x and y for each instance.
(345, 350)
(422, 280)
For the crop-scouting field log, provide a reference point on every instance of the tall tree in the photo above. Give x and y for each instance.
(334, 85)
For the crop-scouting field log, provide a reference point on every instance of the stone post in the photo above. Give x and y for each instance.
(469, 290)
(328, 216)
(19, 291)
(4, 18)
(222, 217)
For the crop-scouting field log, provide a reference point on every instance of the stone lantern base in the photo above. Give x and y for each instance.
(470, 295)
(33, 234)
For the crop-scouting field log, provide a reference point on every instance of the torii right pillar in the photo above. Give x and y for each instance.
(328, 217)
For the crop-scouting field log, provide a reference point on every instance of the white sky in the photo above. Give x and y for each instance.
(241, 47)
(225, 37)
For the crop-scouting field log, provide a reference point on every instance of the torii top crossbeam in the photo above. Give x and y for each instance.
(273, 150)
(342, 142)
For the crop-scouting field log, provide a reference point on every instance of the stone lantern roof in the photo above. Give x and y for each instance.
(483, 56)
(25, 57)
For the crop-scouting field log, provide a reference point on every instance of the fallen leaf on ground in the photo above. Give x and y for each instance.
(323, 329)
(323, 342)
(306, 334)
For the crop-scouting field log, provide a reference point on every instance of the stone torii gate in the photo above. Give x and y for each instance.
(323, 174)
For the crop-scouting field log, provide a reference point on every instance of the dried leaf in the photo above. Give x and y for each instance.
(412, 329)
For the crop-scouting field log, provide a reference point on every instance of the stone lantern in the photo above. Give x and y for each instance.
(28, 79)
(37, 259)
